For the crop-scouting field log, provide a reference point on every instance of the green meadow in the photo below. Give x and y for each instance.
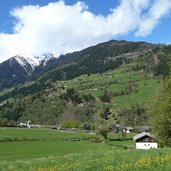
(34, 134)
(45, 149)
(126, 89)
(116, 81)
(50, 150)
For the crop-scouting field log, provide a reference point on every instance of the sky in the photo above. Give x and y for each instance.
(38, 27)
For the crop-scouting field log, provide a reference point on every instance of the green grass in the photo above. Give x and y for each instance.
(116, 81)
(50, 154)
(102, 159)
(28, 150)
(17, 134)
(19, 143)
(147, 90)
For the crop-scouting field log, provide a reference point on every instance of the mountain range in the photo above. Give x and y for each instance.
(18, 69)
(115, 81)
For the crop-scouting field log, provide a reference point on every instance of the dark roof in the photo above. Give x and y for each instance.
(143, 134)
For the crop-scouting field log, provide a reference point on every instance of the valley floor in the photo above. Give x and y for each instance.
(49, 150)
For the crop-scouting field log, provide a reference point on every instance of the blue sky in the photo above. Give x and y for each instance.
(97, 7)
(52, 26)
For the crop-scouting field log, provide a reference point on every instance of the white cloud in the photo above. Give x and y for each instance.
(59, 28)
(158, 10)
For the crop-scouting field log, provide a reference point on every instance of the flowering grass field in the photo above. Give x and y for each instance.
(102, 160)
(46, 150)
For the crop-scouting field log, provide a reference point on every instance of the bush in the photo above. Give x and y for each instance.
(71, 124)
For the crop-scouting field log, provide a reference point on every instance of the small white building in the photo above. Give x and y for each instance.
(145, 141)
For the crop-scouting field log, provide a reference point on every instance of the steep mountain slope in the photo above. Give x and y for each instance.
(113, 81)
(95, 59)
(99, 58)
(120, 96)
(15, 70)
(18, 69)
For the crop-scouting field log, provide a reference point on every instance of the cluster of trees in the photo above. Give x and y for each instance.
(154, 61)
(161, 115)
(44, 108)
(71, 124)
(133, 115)
(83, 66)
(35, 88)
(161, 69)
(106, 97)
(95, 59)
(105, 111)
(12, 110)
(75, 97)
(131, 87)
(7, 123)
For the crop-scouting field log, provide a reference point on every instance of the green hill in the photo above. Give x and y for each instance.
(120, 94)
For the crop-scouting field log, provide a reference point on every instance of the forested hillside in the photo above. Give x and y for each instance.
(99, 58)
(111, 83)
(160, 115)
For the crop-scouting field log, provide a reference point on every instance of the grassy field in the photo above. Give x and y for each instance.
(17, 134)
(50, 152)
(10, 151)
(44, 134)
(116, 81)
(102, 160)
(146, 91)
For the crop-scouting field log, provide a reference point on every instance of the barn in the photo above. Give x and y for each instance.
(145, 141)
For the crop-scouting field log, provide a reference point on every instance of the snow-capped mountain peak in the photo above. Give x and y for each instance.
(18, 68)
(29, 63)
(33, 60)
(48, 58)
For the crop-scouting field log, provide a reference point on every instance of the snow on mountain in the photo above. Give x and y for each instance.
(20, 67)
(24, 63)
(48, 58)
(28, 63)
(33, 61)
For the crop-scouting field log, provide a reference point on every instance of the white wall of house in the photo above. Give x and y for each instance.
(146, 145)
(129, 131)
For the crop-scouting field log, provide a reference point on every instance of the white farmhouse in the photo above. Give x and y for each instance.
(145, 141)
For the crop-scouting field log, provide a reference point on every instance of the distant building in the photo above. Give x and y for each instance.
(28, 124)
(140, 129)
(145, 141)
(117, 128)
(25, 124)
(129, 129)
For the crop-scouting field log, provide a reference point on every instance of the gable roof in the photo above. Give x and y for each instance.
(129, 128)
(138, 136)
